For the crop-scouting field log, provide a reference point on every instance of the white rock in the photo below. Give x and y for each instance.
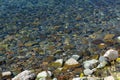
(59, 61)
(71, 61)
(8, 73)
(25, 75)
(109, 78)
(111, 54)
(88, 71)
(88, 64)
(76, 57)
(43, 74)
(102, 64)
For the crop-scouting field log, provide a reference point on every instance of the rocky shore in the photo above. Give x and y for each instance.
(59, 40)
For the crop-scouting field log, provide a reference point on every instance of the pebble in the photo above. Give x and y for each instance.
(111, 54)
(71, 61)
(25, 75)
(76, 57)
(89, 64)
(88, 71)
(42, 75)
(5, 74)
(59, 61)
(102, 64)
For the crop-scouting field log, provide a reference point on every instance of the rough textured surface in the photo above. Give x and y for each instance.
(35, 33)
